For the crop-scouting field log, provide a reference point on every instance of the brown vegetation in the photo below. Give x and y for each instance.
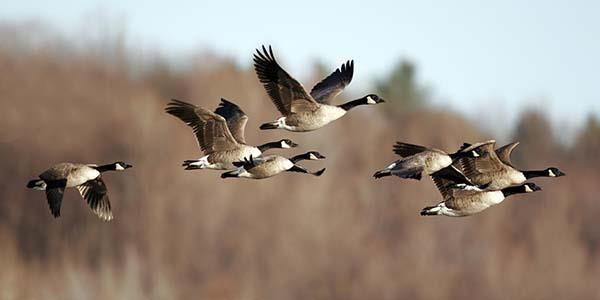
(191, 235)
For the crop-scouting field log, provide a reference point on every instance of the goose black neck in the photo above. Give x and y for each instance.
(513, 190)
(300, 157)
(354, 103)
(535, 173)
(104, 168)
(268, 146)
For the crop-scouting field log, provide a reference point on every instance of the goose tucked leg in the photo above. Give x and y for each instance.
(411, 173)
(431, 211)
(399, 170)
(440, 209)
(201, 163)
(382, 173)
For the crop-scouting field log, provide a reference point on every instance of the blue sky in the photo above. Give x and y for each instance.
(508, 55)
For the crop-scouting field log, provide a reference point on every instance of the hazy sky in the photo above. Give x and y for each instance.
(506, 55)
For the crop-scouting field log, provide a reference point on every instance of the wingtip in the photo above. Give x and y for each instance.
(429, 211)
(320, 172)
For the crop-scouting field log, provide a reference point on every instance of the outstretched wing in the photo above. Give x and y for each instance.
(453, 175)
(486, 163)
(287, 93)
(217, 136)
(443, 186)
(334, 84)
(186, 112)
(55, 190)
(406, 149)
(505, 151)
(96, 195)
(210, 129)
(235, 117)
(452, 195)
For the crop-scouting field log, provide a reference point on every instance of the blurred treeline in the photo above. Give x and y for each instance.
(191, 235)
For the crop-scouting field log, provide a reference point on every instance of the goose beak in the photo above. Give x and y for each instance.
(127, 166)
(293, 145)
(380, 100)
(560, 173)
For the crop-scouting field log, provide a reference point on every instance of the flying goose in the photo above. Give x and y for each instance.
(220, 135)
(417, 160)
(495, 169)
(86, 178)
(272, 165)
(302, 111)
(465, 202)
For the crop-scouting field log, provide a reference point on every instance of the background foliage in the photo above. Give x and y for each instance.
(181, 234)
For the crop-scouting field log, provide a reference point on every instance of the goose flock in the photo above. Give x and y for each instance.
(470, 180)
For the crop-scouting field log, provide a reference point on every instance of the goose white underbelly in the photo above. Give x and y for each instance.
(516, 177)
(493, 198)
(329, 113)
(81, 176)
(308, 121)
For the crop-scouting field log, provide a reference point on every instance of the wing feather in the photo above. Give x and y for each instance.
(285, 92)
(55, 191)
(235, 117)
(505, 151)
(96, 195)
(488, 162)
(216, 133)
(211, 129)
(406, 149)
(326, 90)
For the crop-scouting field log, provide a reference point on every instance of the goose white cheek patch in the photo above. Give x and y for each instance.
(285, 145)
(370, 100)
(313, 157)
(119, 167)
(551, 174)
(528, 189)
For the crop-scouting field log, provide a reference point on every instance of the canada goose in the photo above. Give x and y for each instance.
(417, 160)
(220, 134)
(272, 165)
(302, 111)
(86, 178)
(465, 202)
(495, 169)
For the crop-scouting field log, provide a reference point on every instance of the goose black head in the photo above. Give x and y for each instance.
(314, 155)
(554, 172)
(287, 143)
(530, 187)
(373, 99)
(121, 166)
